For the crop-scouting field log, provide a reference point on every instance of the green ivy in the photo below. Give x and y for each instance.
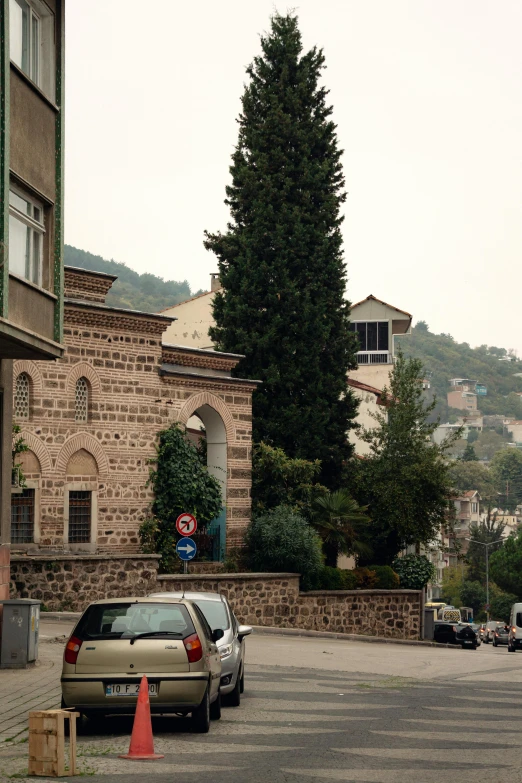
(415, 571)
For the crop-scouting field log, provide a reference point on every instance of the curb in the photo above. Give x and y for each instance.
(348, 637)
(60, 617)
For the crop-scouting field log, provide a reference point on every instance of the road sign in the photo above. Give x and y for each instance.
(186, 549)
(186, 524)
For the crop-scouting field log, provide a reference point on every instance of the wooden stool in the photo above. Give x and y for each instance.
(47, 743)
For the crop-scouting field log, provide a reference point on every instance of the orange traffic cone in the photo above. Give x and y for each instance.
(142, 744)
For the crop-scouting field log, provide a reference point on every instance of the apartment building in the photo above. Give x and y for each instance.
(31, 202)
(467, 514)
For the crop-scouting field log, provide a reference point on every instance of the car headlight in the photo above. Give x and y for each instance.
(225, 651)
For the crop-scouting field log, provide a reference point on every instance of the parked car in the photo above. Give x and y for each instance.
(119, 640)
(490, 630)
(500, 635)
(515, 628)
(455, 633)
(477, 628)
(219, 614)
(482, 632)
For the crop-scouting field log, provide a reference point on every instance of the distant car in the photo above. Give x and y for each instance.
(489, 633)
(501, 635)
(477, 628)
(117, 641)
(219, 614)
(455, 633)
(482, 632)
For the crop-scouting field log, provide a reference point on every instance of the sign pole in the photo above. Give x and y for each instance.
(185, 567)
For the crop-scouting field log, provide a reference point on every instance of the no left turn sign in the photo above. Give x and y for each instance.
(186, 524)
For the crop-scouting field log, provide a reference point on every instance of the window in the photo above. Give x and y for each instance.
(112, 621)
(22, 517)
(21, 400)
(372, 335)
(81, 409)
(26, 230)
(79, 517)
(31, 41)
(474, 508)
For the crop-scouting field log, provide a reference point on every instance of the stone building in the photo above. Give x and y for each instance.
(91, 421)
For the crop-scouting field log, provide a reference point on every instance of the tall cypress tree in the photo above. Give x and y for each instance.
(280, 260)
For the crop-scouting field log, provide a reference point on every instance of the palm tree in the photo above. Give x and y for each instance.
(340, 522)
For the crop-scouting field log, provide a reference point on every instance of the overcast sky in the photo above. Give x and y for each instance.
(427, 99)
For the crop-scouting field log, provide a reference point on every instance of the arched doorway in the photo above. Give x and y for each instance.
(207, 430)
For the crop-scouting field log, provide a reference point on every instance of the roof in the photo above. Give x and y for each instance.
(381, 301)
(100, 306)
(203, 351)
(190, 299)
(363, 386)
(90, 272)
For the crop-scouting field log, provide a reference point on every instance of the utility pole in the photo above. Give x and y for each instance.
(490, 543)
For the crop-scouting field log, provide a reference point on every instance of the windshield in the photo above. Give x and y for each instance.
(116, 621)
(215, 613)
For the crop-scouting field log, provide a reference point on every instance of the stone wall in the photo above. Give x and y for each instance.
(275, 600)
(72, 583)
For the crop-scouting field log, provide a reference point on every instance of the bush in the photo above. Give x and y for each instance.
(282, 540)
(415, 571)
(387, 579)
(349, 580)
(501, 606)
(366, 578)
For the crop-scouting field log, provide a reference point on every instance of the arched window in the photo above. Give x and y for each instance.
(81, 408)
(21, 399)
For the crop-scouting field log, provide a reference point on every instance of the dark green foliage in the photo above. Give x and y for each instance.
(474, 475)
(379, 577)
(506, 467)
(505, 566)
(444, 358)
(414, 571)
(405, 479)
(181, 483)
(486, 532)
(282, 540)
(387, 578)
(280, 260)
(145, 292)
(469, 454)
(366, 578)
(280, 480)
(330, 579)
(500, 607)
(473, 594)
(341, 523)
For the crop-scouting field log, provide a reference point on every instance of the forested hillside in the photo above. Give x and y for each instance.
(444, 358)
(145, 292)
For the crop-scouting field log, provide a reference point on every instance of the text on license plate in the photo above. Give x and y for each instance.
(467, 642)
(129, 689)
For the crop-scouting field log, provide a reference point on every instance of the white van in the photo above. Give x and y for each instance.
(515, 628)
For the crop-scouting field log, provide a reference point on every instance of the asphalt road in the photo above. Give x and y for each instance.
(327, 718)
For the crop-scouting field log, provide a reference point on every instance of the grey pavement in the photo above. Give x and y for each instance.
(318, 710)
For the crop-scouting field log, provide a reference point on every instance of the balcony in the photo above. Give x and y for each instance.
(374, 357)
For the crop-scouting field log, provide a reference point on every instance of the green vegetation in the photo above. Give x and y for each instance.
(444, 358)
(181, 483)
(280, 260)
(277, 480)
(145, 292)
(415, 571)
(341, 523)
(506, 566)
(506, 469)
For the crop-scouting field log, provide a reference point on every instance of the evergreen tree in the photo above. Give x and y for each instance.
(281, 262)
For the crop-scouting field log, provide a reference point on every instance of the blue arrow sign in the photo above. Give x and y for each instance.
(186, 549)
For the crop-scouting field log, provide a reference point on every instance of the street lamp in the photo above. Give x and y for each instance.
(490, 543)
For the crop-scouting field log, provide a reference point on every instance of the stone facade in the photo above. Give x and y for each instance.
(130, 386)
(275, 600)
(71, 584)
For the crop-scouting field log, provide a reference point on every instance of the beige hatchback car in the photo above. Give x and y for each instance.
(117, 641)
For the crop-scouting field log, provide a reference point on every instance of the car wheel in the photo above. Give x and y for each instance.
(201, 715)
(242, 683)
(215, 708)
(234, 697)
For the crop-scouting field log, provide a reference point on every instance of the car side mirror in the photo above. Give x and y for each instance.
(243, 630)
(217, 634)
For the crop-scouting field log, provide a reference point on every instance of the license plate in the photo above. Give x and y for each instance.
(129, 689)
(464, 643)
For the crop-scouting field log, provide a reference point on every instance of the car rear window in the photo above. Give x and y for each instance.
(125, 620)
(215, 613)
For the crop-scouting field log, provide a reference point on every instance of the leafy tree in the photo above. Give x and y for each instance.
(469, 454)
(500, 606)
(405, 480)
(282, 540)
(473, 594)
(486, 532)
(280, 261)
(277, 479)
(181, 483)
(340, 522)
(452, 581)
(472, 436)
(488, 443)
(473, 475)
(505, 566)
(506, 467)
(414, 571)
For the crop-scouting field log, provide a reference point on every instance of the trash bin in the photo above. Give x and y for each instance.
(21, 618)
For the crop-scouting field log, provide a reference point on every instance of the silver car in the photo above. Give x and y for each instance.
(220, 616)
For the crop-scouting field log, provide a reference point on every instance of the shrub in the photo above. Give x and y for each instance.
(366, 578)
(349, 579)
(387, 579)
(501, 606)
(282, 540)
(415, 571)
